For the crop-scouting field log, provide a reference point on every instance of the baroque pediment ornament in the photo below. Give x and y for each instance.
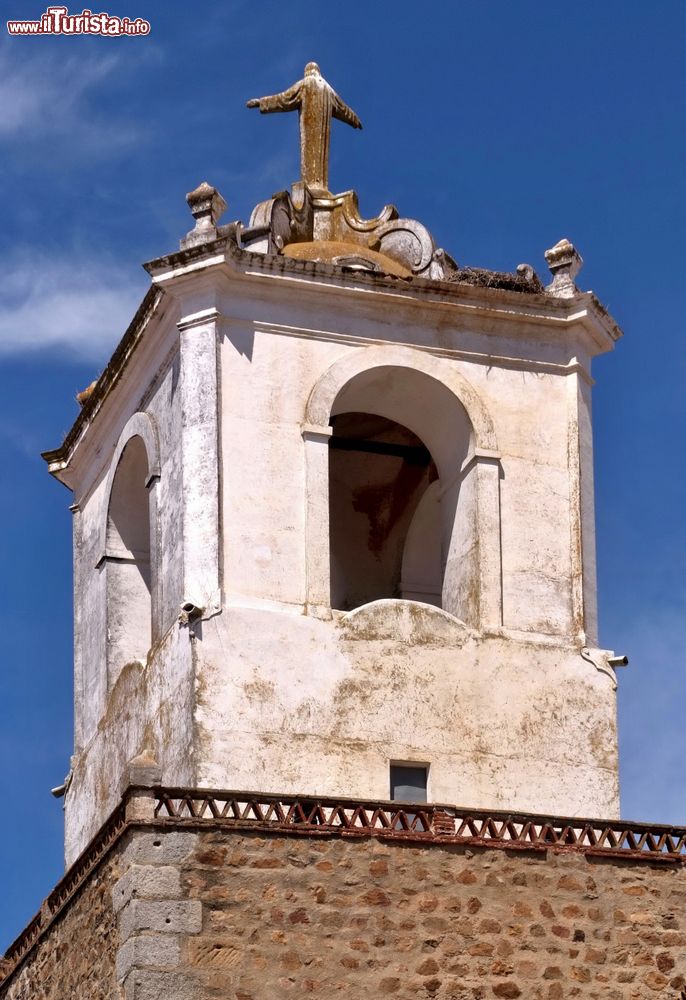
(312, 223)
(329, 228)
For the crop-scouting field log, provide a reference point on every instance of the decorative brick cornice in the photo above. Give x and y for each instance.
(315, 816)
(66, 889)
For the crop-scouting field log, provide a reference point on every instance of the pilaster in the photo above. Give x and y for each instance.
(199, 388)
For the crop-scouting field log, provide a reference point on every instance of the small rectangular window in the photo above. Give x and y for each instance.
(409, 782)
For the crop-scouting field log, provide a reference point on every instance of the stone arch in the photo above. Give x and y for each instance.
(323, 395)
(140, 425)
(129, 545)
(442, 406)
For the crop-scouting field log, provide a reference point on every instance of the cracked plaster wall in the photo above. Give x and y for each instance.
(275, 693)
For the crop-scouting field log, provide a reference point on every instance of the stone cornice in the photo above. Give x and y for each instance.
(534, 304)
(533, 308)
(57, 458)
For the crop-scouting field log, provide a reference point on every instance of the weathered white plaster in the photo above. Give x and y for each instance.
(259, 683)
(199, 507)
(421, 578)
(404, 681)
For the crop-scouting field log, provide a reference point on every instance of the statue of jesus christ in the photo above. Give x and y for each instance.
(317, 103)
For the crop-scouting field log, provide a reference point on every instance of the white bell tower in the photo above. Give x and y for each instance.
(333, 522)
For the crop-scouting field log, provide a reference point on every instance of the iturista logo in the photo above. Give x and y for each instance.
(58, 21)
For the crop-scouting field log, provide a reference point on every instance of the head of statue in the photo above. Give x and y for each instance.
(312, 69)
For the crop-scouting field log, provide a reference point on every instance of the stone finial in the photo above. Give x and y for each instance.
(143, 774)
(207, 206)
(144, 771)
(564, 262)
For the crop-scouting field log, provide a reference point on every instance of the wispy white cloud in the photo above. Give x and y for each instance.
(44, 98)
(40, 93)
(76, 305)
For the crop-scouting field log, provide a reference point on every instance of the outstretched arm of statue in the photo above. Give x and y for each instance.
(289, 100)
(343, 113)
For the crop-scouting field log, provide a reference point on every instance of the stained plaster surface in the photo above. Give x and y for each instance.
(269, 686)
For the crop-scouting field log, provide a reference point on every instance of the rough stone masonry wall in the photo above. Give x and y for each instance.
(320, 917)
(223, 914)
(75, 959)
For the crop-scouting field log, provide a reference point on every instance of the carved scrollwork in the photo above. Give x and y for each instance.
(283, 220)
(324, 220)
(407, 241)
(351, 214)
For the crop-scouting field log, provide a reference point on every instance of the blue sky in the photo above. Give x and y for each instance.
(501, 126)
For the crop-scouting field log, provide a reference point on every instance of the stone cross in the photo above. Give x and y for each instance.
(317, 103)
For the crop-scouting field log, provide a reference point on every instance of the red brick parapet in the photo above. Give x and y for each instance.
(317, 815)
(311, 816)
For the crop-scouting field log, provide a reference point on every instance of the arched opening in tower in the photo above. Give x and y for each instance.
(402, 493)
(384, 513)
(129, 571)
